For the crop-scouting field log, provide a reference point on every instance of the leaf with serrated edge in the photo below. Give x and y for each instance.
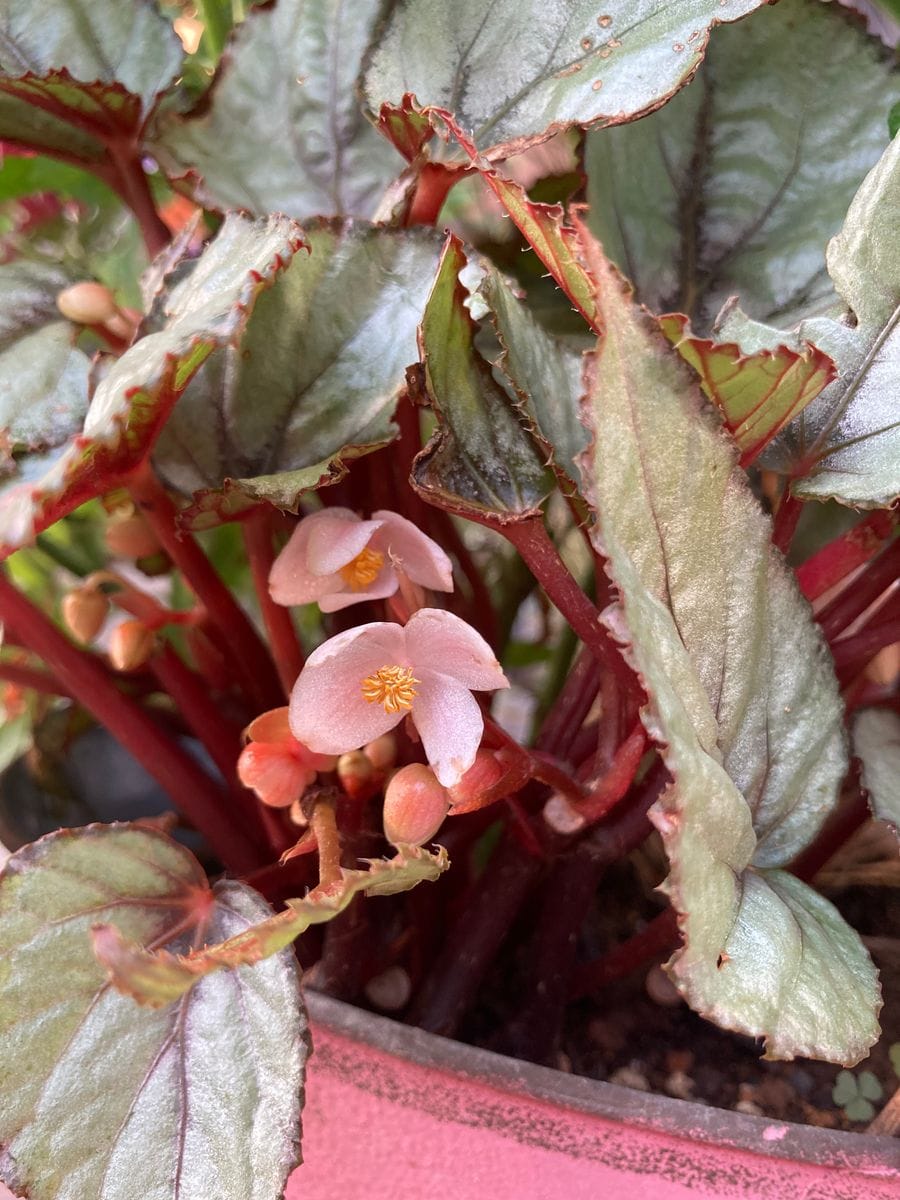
(876, 743)
(723, 192)
(282, 129)
(846, 444)
(313, 381)
(757, 393)
(516, 72)
(157, 977)
(100, 1098)
(481, 461)
(206, 309)
(77, 76)
(742, 700)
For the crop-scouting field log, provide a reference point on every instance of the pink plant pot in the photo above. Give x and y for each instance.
(393, 1113)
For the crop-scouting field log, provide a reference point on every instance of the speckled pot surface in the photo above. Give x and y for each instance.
(393, 1113)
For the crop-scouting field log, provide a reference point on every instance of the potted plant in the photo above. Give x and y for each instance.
(545, 598)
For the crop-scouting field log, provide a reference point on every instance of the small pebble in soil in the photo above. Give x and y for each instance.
(630, 1077)
(748, 1108)
(563, 1062)
(679, 1085)
(389, 991)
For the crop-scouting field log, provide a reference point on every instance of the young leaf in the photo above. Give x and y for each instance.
(846, 445)
(481, 461)
(518, 71)
(876, 743)
(742, 701)
(157, 977)
(314, 379)
(282, 129)
(76, 78)
(133, 399)
(723, 191)
(757, 393)
(101, 1098)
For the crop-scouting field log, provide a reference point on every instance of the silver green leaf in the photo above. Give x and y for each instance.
(101, 1098)
(846, 444)
(515, 71)
(724, 191)
(313, 381)
(742, 700)
(283, 129)
(876, 743)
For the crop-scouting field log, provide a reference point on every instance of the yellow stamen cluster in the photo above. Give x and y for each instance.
(394, 687)
(362, 571)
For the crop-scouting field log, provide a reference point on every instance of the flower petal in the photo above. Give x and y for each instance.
(336, 536)
(271, 726)
(385, 585)
(413, 552)
(329, 713)
(290, 580)
(272, 771)
(450, 724)
(437, 637)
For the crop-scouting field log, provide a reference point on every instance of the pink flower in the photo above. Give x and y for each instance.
(274, 764)
(337, 559)
(362, 683)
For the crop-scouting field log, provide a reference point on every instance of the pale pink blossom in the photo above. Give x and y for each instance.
(337, 559)
(362, 683)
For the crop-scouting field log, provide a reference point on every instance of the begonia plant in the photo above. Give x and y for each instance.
(448, 446)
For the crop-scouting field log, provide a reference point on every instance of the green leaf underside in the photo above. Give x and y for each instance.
(156, 978)
(724, 192)
(314, 380)
(43, 374)
(846, 444)
(757, 393)
(876, 743)
(90, 1082)
(742, 700)
(83, 73)
(135, 396)
(517, 71)
(481, 461)
(283, 130)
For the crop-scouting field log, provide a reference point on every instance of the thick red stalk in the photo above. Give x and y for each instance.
(432, 187)
(236, 635)
(654, 940)
(844, 554)
(852, 654)
(616, 781)
(786, 518)
(286, 650)
(127, 177)
(853, 601)
(533, 543)
(32, 677)
(190, 788)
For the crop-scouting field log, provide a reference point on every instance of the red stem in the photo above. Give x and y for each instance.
(852, 812)
(190, 788)
(237, 637)
(570, 708)
(128, 178)
(434, 182)
(531, 540)
(616, 781)
(786, 518)
(844, 609)
(32, 677)
(655, 939)
(844, 554)
(288, 655)
(853, 653)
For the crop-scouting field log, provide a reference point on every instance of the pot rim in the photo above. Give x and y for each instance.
(684, 1119)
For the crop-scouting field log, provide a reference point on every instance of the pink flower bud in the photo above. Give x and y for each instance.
(357, 775)
(130, 537)
(87, 303)
(415, 805)
(130, 645)
(382, 753)
(83, 611)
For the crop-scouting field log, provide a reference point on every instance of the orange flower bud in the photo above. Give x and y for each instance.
(130, 537)
(87, 303)
(415, 805)
(471, 791)
(130, 645)
(357, 775)
(382, 753)
(84, 611)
